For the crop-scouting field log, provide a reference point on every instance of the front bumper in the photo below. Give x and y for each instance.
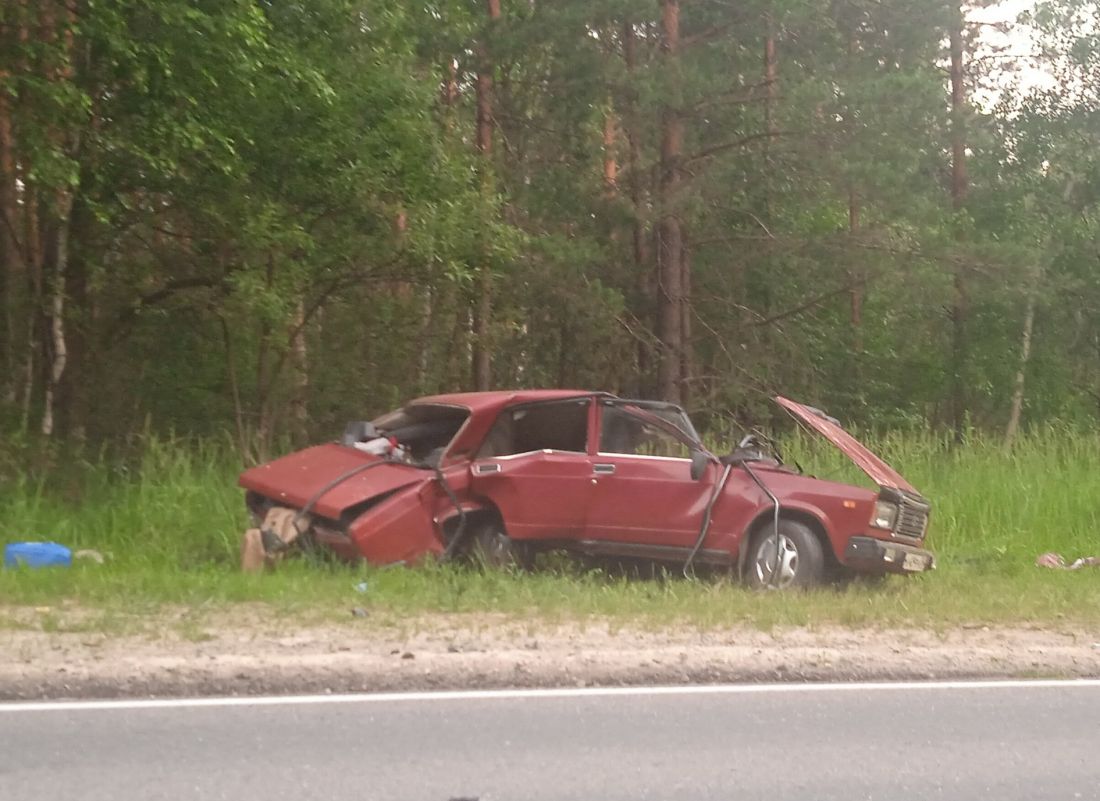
(867, 554)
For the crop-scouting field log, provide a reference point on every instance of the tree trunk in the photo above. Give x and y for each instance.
(856, 272)
(482, 356)
(32, 243)
(960, 307)
(610, 160)
(74, 409)
(640, 244)
(60, 225)
(448, 94)
(424, 340)
(9, 244)
(243, 440)
(771, 92)
(855, 276)
(687, 362)
(1025, 355)
(32, 260)
(565, 350)
(265, 375)
(670, 298)
(460, 352)
(299, 362)
(771, 89)
(59, 350)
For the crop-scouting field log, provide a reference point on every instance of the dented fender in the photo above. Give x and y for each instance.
(400, 528)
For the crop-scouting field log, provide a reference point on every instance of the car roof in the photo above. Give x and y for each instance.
(488, 401)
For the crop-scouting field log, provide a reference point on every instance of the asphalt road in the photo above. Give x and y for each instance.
(1017, 740)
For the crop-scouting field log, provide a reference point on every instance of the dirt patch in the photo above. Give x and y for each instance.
(251, 654)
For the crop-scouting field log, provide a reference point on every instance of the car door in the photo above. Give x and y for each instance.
(643, 492)
(534, 467)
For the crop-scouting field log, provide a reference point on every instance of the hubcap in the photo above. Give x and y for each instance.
(497, 549)
(765, 564)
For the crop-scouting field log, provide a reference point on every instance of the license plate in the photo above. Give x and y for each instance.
(915, 562)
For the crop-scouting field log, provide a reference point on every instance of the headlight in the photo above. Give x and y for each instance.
(885, 516)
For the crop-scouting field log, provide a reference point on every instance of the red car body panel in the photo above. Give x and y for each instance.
(879, 472)
(839, 510)
(647, 500)
(588, 500)
(401, 528)
(294, 479)
(542, 495)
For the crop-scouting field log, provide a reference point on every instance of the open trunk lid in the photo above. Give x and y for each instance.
(294, 479)
(880, 472)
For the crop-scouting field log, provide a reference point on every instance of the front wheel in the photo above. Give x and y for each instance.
(794, 559)
(493, 549)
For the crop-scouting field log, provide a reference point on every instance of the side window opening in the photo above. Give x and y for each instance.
(624, 432)
(556, 426)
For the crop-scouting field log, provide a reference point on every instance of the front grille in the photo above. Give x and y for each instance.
(912, 517)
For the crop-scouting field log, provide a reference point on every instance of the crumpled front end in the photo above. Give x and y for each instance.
(355, 505)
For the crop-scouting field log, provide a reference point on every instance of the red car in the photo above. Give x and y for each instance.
(508, 474)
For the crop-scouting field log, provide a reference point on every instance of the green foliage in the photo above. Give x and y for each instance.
(280, 218)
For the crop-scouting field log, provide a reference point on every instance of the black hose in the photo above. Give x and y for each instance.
(335, 483)
(452, 546)
(705, 527)
(775, 504)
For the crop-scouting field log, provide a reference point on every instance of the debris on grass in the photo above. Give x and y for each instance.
(1058, 562)
(265, 546)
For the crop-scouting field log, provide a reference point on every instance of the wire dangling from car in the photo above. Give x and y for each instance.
(460, 531)
(748, 450)
(705, 527)
(340, 479)
(773, 578)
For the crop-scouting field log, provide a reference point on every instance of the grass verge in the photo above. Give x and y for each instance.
(169, 525)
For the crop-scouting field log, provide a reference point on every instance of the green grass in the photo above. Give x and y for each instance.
(993, 511)
(169, 524)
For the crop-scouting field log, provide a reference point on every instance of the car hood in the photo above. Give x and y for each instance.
(294, 479)
(880, 472)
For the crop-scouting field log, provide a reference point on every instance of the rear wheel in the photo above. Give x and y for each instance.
(796, 559)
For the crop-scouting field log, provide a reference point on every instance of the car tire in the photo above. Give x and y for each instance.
(802, 559)
(493, 549)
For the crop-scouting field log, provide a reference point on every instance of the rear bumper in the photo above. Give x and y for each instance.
(876, 556)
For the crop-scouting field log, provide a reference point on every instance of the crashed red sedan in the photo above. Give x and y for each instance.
(504, 475)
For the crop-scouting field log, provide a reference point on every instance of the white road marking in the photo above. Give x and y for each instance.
(574, 692)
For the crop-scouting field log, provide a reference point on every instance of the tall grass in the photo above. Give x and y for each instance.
(169, 523)
(176, 503)
(993, 509)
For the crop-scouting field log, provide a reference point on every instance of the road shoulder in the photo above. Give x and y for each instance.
(252, 654)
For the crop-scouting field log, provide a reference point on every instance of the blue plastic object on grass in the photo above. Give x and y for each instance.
(37, 554)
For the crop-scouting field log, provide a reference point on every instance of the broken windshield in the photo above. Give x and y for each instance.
(424, 430)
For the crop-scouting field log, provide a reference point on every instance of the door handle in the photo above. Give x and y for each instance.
(603, 469)
(483, 469)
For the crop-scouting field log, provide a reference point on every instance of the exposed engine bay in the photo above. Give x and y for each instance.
(417, 435)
